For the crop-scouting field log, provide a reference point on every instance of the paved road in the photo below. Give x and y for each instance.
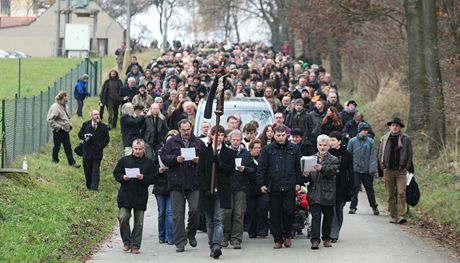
(364, 238)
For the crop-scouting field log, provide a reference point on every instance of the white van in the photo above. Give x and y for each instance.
(248, 108)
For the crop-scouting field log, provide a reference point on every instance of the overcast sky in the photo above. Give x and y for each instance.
(251, 31)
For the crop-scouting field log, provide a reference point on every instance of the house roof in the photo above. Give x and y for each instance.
(15, 21)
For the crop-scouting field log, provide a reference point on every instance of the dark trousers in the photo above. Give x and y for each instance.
(62, 137)
(327, 211)
(337, 219)
(80, 108)
(258, 215)
(281, 214)
(92, 174)
(368, 182)
(112, 108)
(234, 217)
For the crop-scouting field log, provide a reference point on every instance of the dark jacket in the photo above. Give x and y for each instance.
(405, 152)
(161, 184)
(127, 92)
(240, 180)
(344, 179)
(350, 130)
(110, 90)
(181, 176)
(321, 189)
(330, 126)
(315, 122)
(347, 115)
(223, 181)
(130, 129)
(299, 120)
(306, 148)
(149, 131)
(279, 167)
(94, 147)
(254, 189)
(134, 192)
(141, 70)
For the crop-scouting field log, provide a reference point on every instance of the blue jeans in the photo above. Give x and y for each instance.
(368, 182)
(215, 224)
(164, 218)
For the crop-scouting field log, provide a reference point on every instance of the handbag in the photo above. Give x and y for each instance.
(412, 193)
(79, 149)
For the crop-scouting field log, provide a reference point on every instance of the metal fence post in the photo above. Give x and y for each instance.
(3, 134)
(19, 79)
(40, 130)
(71, 83)
(15, 125)
(33, 124)
(24, 126)
(95, 78)
(47, 105)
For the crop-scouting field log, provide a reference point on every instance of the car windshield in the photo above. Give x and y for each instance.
(247, 110)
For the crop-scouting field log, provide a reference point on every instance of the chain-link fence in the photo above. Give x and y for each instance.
(24, 123)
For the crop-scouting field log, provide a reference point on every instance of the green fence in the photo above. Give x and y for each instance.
(24, 125)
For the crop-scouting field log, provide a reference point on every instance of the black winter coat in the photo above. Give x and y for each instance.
(181, 176)
(127, 92)
(149, 131)
(240, 180)
(315, 122)
(134, 192)
(223, 181)
(94, 147)
(279, 167)
(345, 178)
(321, 189)
(130, 129)
(299, 120)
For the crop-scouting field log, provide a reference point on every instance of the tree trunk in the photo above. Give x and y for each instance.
(437, 123)
(5, 7)
(235, 22)
(416, 76)
(276, 34)
(335, 58)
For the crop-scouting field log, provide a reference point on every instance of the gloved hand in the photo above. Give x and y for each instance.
(87, 136)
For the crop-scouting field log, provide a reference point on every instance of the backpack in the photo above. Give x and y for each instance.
(412, 193)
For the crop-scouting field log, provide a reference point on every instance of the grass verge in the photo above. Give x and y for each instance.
(53, 217)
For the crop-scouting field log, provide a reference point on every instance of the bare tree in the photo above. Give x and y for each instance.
(165, 9)
(437, 122)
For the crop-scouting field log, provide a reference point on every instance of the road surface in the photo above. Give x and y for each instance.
(364, 238)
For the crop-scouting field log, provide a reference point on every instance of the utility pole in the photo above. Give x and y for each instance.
(58, 28)
(94, 13)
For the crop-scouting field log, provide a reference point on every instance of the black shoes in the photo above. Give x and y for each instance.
(192, 242)
(315, 244)
(180, 249)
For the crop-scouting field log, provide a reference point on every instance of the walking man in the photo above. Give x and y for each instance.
(95, 135)
(59, 121)
(183, 183)
(364, 166)
(279, 174)
(395, 158)
(133, 194)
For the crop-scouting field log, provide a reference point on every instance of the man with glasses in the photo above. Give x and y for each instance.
(183, 183)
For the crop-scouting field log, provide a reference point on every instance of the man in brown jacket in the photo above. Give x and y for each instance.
(59, 120)
(395, 159)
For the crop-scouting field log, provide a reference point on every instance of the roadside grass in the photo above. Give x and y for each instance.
(36, 74)
(52, 217)
(438, 178)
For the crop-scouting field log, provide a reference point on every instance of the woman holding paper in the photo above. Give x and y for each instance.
(161, 192)
(321, 192)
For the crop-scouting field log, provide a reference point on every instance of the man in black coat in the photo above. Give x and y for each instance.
(279, 174)
(133, 194)
(183, 183)
(95, 135)
(214, 203)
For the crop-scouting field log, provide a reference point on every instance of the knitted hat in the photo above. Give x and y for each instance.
(363, 126)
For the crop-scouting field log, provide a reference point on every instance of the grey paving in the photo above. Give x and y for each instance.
(364, 238)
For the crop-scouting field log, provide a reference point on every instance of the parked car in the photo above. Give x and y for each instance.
(248, 109)
(4, 54)
(18, 54)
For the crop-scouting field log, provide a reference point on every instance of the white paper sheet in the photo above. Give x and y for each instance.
(132, 172)
(162, 165)
(187, 153)
(308, 163)
(238, 162)
(409, 177)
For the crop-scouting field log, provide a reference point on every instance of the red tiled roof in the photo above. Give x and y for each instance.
(14, 21)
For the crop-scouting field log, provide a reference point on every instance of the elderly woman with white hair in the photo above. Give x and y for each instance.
(321, 192)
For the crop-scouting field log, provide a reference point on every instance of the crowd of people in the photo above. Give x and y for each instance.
(257, 176)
